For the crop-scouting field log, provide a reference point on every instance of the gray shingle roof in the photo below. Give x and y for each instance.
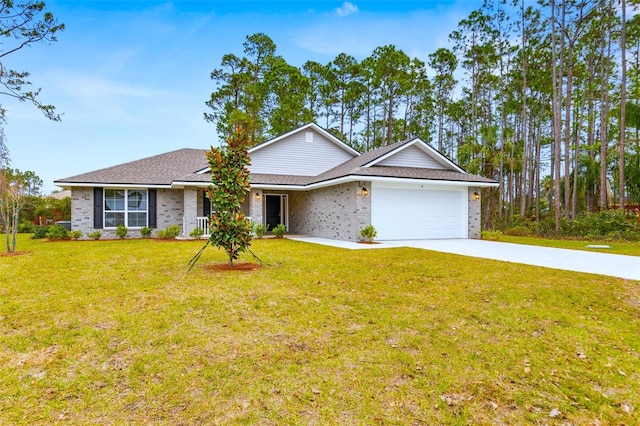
(162, 169)
(184, 164)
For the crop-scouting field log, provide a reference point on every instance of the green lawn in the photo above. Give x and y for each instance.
(117, 332)
(615, 247)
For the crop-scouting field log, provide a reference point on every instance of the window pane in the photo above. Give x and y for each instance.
(111, 220)
(114, 199)
(137, 219)
(137, 200)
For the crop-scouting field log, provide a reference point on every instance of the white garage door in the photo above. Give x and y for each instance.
(418, 212)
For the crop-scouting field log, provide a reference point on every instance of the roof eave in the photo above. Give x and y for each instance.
(64, 184)
(436, 182)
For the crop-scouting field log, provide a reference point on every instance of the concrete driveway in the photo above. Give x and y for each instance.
(613, 265)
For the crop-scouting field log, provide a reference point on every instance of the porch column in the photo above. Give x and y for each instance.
(255, 206)
(190, 210)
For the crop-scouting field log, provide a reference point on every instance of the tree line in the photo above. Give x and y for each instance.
(542, 98)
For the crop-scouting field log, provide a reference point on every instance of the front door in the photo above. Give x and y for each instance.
(275, 210)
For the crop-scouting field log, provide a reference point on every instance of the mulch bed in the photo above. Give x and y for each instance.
(18, 253)
(224, 267)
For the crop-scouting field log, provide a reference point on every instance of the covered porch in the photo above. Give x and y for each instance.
(197, 209)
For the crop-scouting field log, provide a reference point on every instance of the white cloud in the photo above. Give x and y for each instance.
(347, 8)
(417, 32)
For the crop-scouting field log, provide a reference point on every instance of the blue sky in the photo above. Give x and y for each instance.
(132, 77)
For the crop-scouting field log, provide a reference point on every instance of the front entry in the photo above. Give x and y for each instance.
(275, 207)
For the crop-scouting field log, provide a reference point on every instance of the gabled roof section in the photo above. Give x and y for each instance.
(306, 151)
(413, 153)
(308, 126)
(367, 165)
(158, 170)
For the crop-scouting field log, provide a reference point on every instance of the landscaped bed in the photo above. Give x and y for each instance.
(117, 332)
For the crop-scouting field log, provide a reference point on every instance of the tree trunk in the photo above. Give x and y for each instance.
(523, 199)
(576, 156)
(390, 121)
(567, 133)
(623, 102)
(556, 70)
(604, 102)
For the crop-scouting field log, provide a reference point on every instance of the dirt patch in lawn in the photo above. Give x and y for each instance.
(224, 267)
(17, 253)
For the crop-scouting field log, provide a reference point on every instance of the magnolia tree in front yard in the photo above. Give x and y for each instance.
(229, 227)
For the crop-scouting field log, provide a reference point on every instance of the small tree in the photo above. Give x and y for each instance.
(230, 229)
(12, 200)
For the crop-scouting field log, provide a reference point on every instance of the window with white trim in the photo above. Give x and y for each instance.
(128, 207)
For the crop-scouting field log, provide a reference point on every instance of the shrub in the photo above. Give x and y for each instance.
(607, 223)
(58, 232)
(121, 231)
(519, 231)
(76, 234)
(260, 230)
(146, 231)
(279, 231)
(490, 235)
(95, 235)
(197, 233)
(368, 233)
(26, 227)
(170, 233)
(40, 232)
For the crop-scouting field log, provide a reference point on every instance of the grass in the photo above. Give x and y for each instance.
(116, 332)
(630, 248)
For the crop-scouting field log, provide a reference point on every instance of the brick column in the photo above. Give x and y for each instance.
(190, 210)
(474, 212)
(255, 206)
(363, 209)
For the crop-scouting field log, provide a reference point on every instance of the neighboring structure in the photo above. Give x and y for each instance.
(306, 179)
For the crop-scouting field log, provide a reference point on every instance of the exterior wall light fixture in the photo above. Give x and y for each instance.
(364, 192)
(476, 196)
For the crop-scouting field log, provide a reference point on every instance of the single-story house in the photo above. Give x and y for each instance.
(306, 179)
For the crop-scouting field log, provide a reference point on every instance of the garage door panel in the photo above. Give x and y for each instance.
(416, 213)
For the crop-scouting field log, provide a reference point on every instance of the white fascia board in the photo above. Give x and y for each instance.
(177, 184)
(275, 187)
(107, 185)
(359, 178)
(429, 150)
(429, 181)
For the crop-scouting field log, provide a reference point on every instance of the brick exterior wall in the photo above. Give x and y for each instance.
(336, 212)
(170, 209)
(82, 209)
(474, 213)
